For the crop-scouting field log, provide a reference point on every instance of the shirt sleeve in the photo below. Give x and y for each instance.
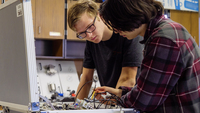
(161, 68)
(132, 52)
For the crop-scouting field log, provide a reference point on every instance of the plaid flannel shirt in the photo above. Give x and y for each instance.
(170, 71)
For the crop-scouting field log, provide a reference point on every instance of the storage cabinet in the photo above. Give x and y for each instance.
(74, 49)
(189, 20)
(49, 28)
(51, 49)
(49, 19)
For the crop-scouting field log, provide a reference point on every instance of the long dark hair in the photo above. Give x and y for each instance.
(126, 15)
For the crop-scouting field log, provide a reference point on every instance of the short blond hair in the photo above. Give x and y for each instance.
(83, 6)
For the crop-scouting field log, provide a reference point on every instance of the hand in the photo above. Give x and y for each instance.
(101, 95)
(104, 89)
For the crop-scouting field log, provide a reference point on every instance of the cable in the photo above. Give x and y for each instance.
(80, 90)
(94, 92)
(117, 100)
(112, 100)
(103, 101)
(47, 101)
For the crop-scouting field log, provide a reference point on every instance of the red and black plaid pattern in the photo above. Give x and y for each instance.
(170, 73)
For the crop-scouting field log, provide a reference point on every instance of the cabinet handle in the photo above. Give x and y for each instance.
(40, 66)
(39, 30)
(60, 67)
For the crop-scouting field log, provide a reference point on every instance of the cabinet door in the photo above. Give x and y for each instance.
(189, 20)
(195, 26)
(49, 19)
(182, 17)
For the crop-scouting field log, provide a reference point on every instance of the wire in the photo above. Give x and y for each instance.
(80, 90)
(102, 101)
(112, 100)
(94, 96)
(47, 101)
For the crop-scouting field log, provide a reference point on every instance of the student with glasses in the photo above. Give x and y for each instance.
(115, 58)
(170, 72)
(90, 29)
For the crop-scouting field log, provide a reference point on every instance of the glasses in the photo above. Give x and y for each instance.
(90, 29)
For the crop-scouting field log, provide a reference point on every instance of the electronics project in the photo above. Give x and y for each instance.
(40, 86)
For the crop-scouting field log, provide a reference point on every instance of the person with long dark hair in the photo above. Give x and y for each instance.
(170, 72)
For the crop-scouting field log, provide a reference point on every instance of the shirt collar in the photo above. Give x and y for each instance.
(151, 27)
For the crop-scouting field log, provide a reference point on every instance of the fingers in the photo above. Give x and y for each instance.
(99, 93)
(99, 97)
(100, 88)
(104, 89)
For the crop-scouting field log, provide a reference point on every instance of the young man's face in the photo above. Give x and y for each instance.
(90, 28)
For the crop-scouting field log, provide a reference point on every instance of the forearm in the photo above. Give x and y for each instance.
(85, 83)
(128, 82)
(127, 77)
(83, 91)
